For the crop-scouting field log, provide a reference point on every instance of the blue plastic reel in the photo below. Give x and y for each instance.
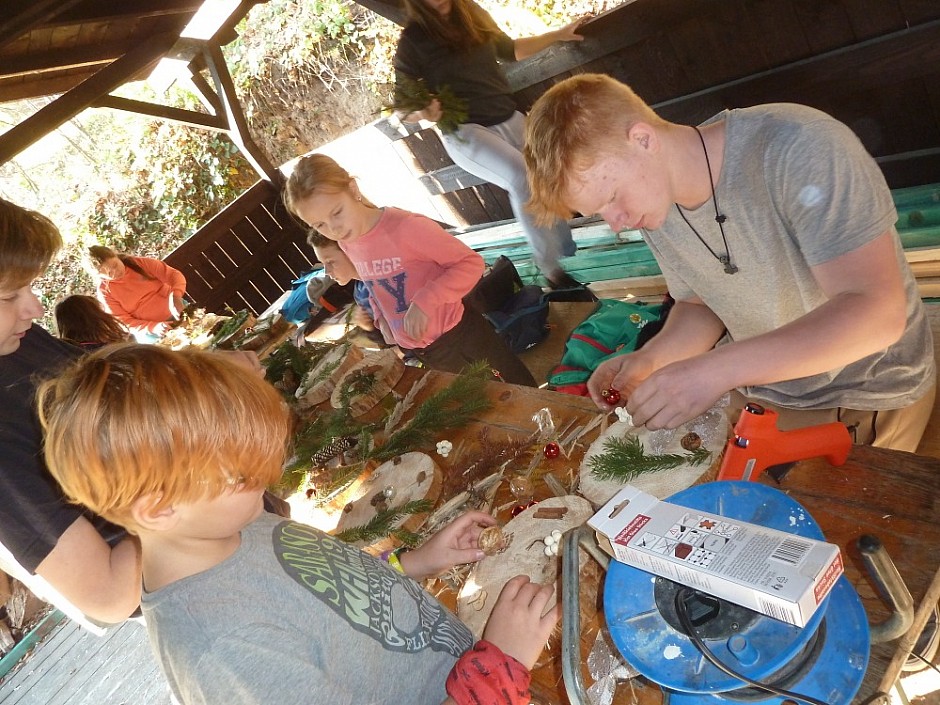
(826, 659)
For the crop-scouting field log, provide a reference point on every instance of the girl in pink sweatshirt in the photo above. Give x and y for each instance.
(416, 272)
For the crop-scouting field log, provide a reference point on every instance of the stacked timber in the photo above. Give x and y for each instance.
(919, 227)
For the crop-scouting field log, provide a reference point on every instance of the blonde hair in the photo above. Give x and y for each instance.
(568, 127)
(28, 242)
(316, 172)
(135, 420)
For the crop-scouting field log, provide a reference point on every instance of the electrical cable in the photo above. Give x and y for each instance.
(682, 611)
(916, 655)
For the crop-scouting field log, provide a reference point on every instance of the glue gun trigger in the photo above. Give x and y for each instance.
(778, 472)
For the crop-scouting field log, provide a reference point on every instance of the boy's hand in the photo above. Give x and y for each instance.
(623, 373)
(455, 544)
(517, 625)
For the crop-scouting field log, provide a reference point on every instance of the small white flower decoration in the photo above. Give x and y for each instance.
(552, 542)
(623, 414)
(444, 448)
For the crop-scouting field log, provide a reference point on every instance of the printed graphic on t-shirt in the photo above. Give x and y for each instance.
(395, 286)
(375, 601)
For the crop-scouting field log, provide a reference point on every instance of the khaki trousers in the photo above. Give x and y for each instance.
(899, 429)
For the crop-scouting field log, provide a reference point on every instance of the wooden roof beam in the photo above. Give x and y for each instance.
(238, 125)
(58, 60)
(163, 112)
(70, 104)
(53, 85)
(111, 11)
(20, 16)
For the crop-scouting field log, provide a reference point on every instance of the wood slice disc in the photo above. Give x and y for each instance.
(320, 381)
(524, 556)
(383, 366)
(412, 476)
(662, 483)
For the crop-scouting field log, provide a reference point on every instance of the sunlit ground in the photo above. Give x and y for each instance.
(923, 684)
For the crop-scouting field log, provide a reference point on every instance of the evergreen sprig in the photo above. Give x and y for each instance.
(413, 94)
(357, 384)
(313, 437)
(451, 407)
(625, 459)
(287, 365)
(341, 478)
(382, 524)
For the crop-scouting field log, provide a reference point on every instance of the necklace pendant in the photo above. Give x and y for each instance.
(730, 268)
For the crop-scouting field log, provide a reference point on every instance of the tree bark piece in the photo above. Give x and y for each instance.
(410, 477)
(322, 378)
(384, 366)
(524, 555)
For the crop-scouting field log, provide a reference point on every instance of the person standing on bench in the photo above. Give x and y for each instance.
(455, 46)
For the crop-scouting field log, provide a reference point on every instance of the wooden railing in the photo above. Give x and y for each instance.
(246, 256)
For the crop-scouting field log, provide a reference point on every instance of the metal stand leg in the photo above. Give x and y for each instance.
(572, 542)
(885, 575)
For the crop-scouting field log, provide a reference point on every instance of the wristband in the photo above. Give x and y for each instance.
(391, 557)
(484, 675)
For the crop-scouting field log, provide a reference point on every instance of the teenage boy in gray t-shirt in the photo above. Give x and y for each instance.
(774, 229)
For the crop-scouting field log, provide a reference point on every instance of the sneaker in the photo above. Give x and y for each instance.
(562, 280)
(926, 645)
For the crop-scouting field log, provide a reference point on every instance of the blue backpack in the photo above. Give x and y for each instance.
(522, 321)
(518, 313)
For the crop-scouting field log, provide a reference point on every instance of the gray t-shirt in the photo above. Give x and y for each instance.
(798, 189)
(296, 616)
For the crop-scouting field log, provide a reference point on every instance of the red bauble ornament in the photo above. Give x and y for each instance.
(519, 508)
(551, 450)
(611, 396)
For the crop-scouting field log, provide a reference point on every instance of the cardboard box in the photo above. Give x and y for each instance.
(781, 575)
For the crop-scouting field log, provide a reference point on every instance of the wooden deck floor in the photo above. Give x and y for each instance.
(73, 667)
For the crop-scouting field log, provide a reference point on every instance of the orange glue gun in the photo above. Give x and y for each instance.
(757, 444)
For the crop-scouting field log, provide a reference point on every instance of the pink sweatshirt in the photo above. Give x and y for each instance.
(408, 258)
(140, 303)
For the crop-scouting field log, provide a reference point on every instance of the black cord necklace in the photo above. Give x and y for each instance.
(725, 259)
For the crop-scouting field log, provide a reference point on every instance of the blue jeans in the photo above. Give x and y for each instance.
(495, 153)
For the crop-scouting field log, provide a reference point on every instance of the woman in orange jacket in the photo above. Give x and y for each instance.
(142, 293)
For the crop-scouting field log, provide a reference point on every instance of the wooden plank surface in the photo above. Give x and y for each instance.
(74, 667)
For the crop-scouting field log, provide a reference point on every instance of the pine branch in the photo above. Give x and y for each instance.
(287, 365)
(356, 384)
(408, 538)
(625, 459)
(337, 480)
(382, 524)
(412, 95)
(313, 438)
(451, 407)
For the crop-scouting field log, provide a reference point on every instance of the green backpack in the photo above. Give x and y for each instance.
(614, 329)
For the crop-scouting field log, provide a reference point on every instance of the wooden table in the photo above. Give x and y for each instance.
(890, 494)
